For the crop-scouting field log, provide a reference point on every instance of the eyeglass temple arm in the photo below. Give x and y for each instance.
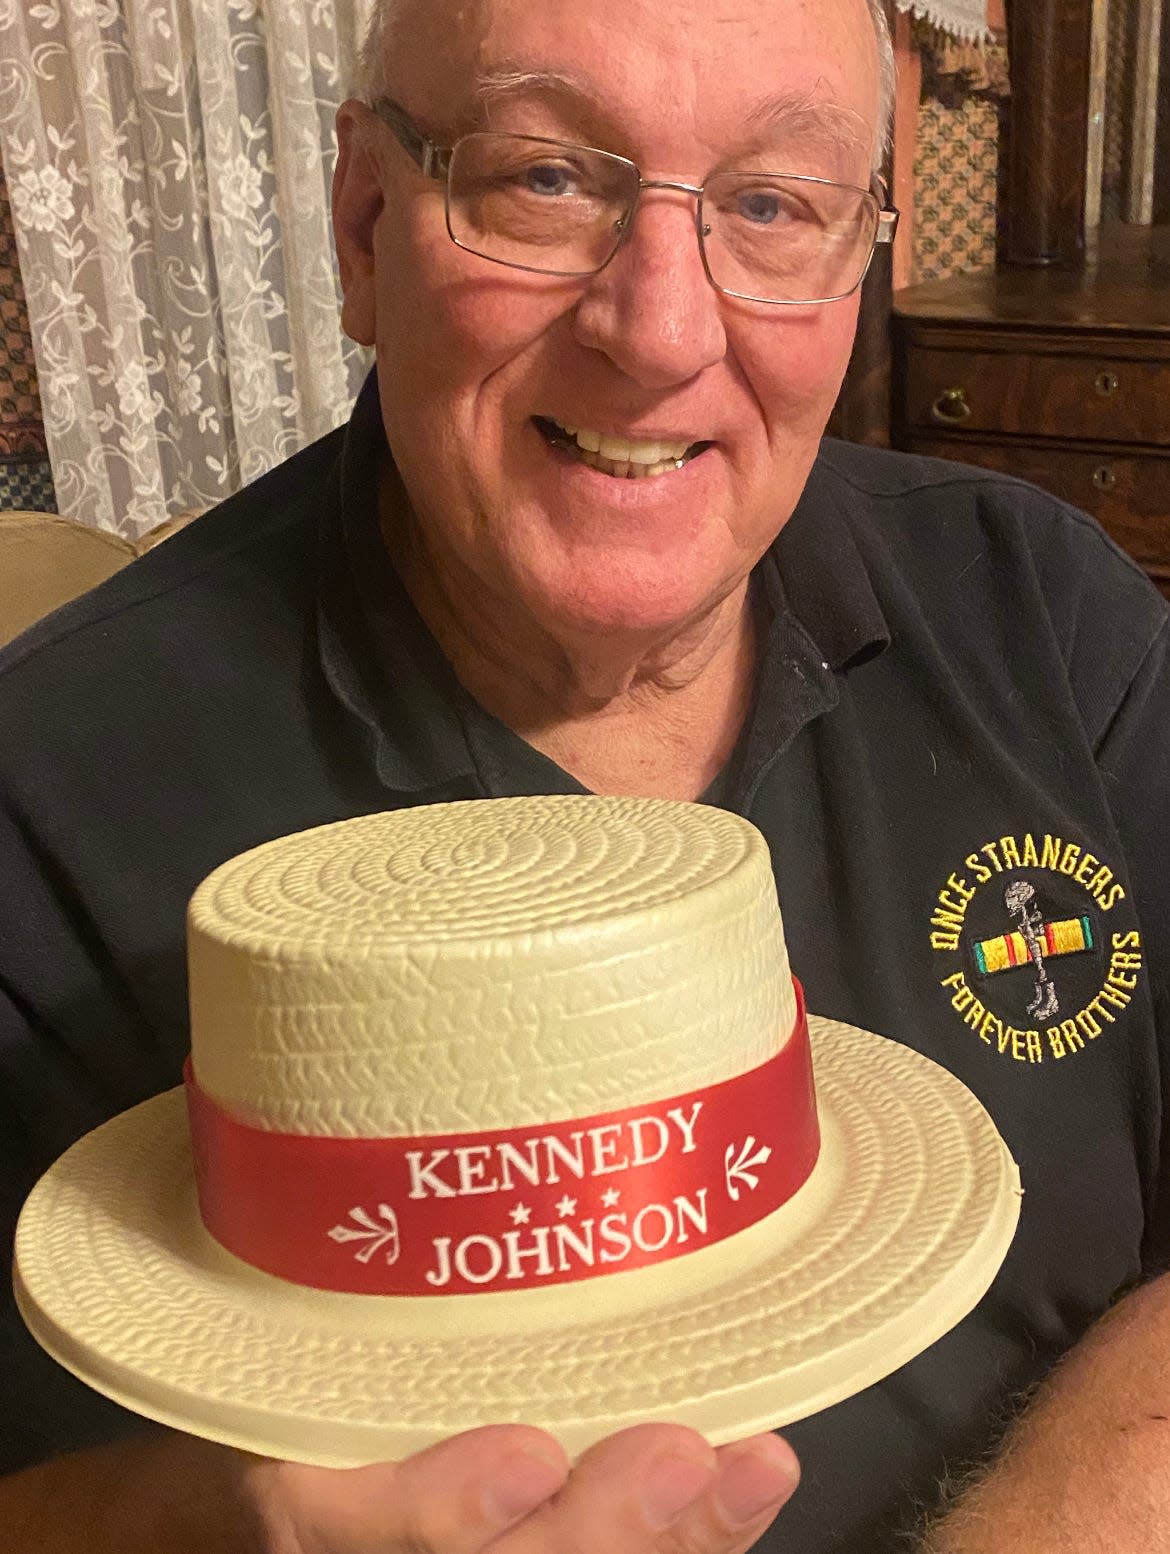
(432, 159)
(887, 216)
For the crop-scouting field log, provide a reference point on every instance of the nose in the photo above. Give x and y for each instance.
(652, 310)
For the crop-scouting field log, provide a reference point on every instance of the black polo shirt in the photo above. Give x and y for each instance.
(961, 728)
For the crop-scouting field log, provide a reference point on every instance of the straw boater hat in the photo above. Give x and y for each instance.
(503, 1110)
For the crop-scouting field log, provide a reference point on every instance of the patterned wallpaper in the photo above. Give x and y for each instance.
(955, 171)
(25, 476)
(965, 91)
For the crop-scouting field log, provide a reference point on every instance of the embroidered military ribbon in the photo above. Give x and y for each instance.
(514, 1208)
(1067, 937)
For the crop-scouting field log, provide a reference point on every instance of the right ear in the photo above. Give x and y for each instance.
(357, 204)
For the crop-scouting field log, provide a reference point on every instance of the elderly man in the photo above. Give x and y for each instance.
(581, 533)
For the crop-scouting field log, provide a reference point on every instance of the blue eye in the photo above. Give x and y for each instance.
(760, 208)
(544, 178)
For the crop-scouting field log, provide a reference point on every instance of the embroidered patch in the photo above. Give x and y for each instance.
(1040, 955)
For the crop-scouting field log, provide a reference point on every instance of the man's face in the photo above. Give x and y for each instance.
(478, 361)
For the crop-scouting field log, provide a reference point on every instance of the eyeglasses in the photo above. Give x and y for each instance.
(560, 209)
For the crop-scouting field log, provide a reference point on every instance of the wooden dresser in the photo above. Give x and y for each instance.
(1060, 376)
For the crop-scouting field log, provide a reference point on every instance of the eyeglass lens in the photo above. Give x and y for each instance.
(562, 209)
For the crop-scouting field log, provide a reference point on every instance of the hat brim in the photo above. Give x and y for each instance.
(893, 1239)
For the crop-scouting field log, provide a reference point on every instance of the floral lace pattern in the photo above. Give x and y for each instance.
(168, 165)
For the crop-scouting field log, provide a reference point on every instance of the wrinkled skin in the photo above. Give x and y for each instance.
(580, 582)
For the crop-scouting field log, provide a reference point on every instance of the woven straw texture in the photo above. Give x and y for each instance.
(486, 965)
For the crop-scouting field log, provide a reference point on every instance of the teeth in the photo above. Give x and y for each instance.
(623, 459)
(629, 471)
(621, 450)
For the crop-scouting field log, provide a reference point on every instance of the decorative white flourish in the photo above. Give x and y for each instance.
(567, 1207)
(610, 1198)
(375, 1235)
(168, 168)
(741, 1168)
(521, 1214)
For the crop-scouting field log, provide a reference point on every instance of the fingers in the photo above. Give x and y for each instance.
(463, 1493)
(622, 1494)
(466, 1491)
(754, 1479)
(652, 1489)
(661, 1489)
(454, 1498)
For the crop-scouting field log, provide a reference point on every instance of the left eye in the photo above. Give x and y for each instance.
(545, 178)
(762, 207)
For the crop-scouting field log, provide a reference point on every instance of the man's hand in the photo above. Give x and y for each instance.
(652, 1489)
(646, 1490)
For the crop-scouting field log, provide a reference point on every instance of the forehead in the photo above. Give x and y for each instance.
(681, 78)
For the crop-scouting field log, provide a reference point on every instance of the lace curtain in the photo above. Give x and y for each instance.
(168, 165)
(964, 19)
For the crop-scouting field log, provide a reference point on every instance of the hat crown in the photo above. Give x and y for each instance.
(486, 964)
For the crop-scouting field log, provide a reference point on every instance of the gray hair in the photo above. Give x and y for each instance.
(371, 68)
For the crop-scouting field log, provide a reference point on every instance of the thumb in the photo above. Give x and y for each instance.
(452, 1498)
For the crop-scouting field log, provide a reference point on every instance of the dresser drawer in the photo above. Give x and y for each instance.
(1129, 494)
(1098, 398)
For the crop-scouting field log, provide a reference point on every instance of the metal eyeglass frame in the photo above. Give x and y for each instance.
(435, 162)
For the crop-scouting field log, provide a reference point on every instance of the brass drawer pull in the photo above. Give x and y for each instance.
(951, 407)
(1104, 478)
(1106, 383)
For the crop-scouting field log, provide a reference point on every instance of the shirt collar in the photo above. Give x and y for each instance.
(377, 654)
(824, 619)
(824, 578)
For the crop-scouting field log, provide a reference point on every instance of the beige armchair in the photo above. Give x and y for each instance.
(45, 561)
